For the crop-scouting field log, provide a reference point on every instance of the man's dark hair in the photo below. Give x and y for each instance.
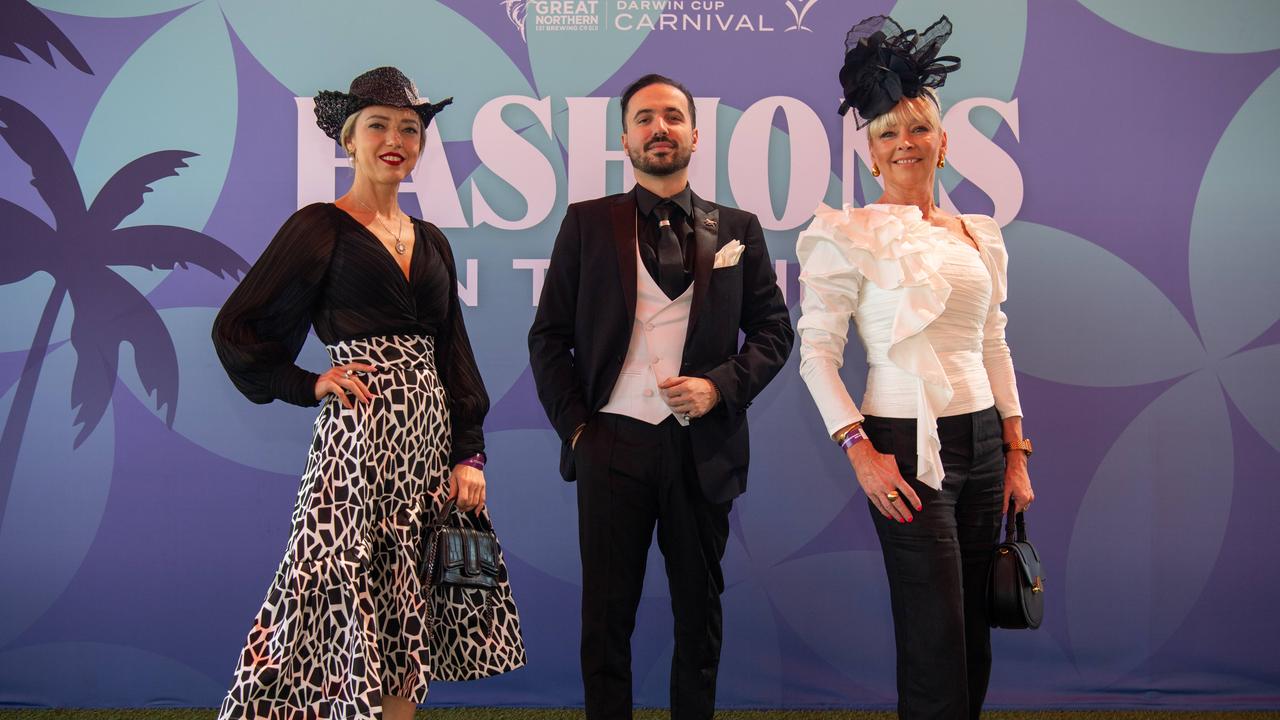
(656, 79)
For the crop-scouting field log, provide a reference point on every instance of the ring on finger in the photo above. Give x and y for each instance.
(348, 374)
(891, 496)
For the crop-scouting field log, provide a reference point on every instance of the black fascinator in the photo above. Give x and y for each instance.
(380, 86)
(884, 63)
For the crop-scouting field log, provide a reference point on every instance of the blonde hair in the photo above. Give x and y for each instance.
(349, 129)
(924, 108)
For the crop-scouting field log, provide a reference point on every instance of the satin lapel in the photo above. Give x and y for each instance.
(624, 242)
(706, 232)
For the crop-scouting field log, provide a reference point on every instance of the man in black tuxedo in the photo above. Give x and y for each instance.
(635, 352)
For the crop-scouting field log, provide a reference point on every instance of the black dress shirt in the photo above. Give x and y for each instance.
(681, 222)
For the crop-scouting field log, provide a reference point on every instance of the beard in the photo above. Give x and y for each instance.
(675, 161)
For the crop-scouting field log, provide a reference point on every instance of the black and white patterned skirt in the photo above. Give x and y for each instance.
(346, 619)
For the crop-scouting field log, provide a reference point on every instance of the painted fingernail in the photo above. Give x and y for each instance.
(910, 519)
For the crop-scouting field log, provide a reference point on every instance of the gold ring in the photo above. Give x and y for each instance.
(892, 495)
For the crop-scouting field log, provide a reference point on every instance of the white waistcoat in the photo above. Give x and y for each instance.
(655, 352)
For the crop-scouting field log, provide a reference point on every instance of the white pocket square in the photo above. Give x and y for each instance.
(729, 255)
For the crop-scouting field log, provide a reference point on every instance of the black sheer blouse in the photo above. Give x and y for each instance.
(323, 269)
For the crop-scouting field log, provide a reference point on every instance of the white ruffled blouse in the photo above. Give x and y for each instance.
(927, 308)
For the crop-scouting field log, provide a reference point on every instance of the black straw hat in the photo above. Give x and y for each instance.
(380, 86)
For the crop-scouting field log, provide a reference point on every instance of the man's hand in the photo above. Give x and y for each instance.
(689, 396)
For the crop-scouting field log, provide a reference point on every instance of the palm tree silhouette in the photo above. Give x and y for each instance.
(79, 253)
(27, 27)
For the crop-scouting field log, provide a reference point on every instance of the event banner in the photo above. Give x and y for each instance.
(151, 148)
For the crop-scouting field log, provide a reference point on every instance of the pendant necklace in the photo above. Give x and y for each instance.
(400, 246)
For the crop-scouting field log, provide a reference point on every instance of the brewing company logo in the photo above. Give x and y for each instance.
(555, 15)
(646, 15)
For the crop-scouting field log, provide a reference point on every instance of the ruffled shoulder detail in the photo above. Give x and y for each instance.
(889, 244)
(994, 255)
(895, 248)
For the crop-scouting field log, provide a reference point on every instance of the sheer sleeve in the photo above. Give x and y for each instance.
(262, 326)
(464, 388)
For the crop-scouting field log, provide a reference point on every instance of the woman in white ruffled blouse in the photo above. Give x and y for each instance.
(937, 445)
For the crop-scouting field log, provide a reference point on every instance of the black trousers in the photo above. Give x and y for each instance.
(632, 476)
(937, 564)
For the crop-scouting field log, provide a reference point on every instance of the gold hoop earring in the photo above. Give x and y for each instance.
(875, 171)
(941, 162)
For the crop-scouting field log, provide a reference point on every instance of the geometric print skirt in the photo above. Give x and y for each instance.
(347, 618)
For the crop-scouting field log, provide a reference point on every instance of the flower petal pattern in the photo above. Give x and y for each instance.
(1080, 315)
(1236, 26)
(1234, 253)
(1149, 528)
(149, 108)
(1250, 380)
(270, 31)
(113, 9)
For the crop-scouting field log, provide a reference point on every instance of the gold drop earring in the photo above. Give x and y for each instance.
(941, 162)
(875, 170)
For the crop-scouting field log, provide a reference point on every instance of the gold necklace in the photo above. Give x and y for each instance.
(400, 247)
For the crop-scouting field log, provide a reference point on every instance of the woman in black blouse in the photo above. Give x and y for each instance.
(347, 628)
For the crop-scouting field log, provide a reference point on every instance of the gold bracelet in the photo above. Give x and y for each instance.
(843, 432)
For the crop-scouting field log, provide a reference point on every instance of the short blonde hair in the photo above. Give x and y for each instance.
(349, 129)
(924, 108)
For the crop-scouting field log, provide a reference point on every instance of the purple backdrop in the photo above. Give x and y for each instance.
(153, 146)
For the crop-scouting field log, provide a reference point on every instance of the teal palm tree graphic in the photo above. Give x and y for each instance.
(79, 252)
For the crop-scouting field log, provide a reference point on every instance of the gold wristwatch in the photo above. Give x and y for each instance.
(1023, 444)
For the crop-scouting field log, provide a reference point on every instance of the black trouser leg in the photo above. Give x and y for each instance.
(692, 534)
(978, 518)
(617, 509)
(937, 566)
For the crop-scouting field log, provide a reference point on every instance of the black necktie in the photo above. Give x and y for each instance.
(670, 258)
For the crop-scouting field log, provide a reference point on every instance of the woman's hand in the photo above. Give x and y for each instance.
(341, 381)
(1017, 483)
(466, 486)
(878, 475)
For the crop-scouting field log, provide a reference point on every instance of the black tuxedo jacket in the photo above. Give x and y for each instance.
(583, 326)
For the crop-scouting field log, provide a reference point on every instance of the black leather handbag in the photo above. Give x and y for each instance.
(460, 556)
(1015, 583)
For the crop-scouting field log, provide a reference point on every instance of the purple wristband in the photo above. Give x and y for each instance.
(476, 461)
(853, 438)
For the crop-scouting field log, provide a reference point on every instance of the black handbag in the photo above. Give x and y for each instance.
(460, 570)
(460, 556)
(1015, 583)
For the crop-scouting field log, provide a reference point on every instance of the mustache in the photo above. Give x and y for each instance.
(661, 139)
